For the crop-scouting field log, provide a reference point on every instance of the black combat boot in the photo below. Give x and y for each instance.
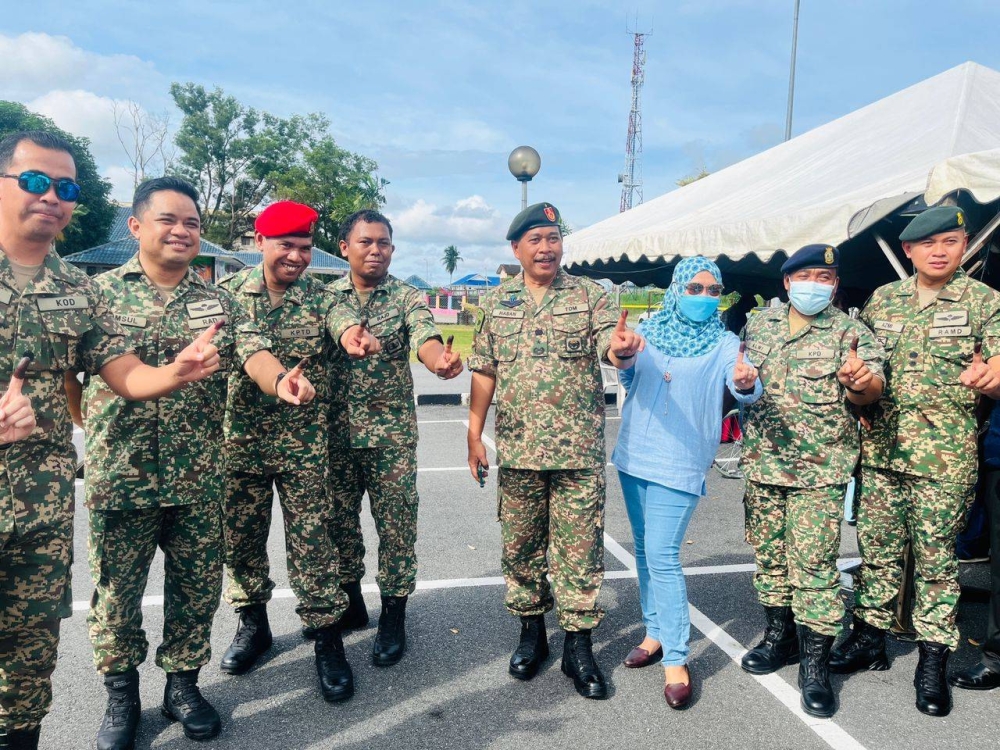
(578, 663)
(532, 649)
(814, 675)
(864, 648)
(335, 677)
(19, 739)
(780, 645)
(390, 640)
(356, 616)
(121, 717)
(930, 679)
(183, 702)
(253, 639)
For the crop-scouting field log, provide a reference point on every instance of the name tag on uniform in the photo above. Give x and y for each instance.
(135, 321)
(815, 352)
(761, 349)
(72, 302)
(952, 318)
(948, 332)
(205, 308)
(6, 295)
(198, 324)
(512, 314)
(306, 332)
(568, 309)
(886, 325)
(382, 318)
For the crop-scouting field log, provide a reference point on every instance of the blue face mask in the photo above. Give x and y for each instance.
(810, 297)
(698, 307)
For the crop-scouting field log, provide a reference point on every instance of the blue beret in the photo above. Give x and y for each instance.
(538, 215)
(812, 256)
(934, 221)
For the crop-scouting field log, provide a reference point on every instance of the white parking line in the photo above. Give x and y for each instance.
(487, 440)
(826, 729)
(441, 421)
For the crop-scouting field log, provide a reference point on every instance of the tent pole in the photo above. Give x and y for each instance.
(891, 256)
(981, 238)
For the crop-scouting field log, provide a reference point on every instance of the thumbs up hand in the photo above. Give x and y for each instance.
(17, 418)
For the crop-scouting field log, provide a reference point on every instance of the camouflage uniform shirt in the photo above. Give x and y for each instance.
(925, 422)
(802, 433)
(373, 397)
(546, 361)
(64, 321)
(166, 452)
(264, 435)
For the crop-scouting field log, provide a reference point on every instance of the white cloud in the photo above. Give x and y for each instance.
(469, 220)
(35, 63)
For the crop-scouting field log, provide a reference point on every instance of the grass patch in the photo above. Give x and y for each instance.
(463, 339)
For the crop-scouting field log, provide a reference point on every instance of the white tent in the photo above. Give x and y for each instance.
(827, 185)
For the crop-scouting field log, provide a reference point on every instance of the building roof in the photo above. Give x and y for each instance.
(476, 279)
(418, 282)
(511, 269)
(121, 246)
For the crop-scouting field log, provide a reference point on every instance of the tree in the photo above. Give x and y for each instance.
(450, 260)
(94, 212)
(693, 177)
(235, 155)
(336, 183)
(143, 137)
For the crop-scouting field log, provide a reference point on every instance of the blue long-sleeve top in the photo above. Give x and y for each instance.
(671, 428)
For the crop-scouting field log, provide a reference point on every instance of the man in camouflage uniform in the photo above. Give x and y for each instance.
(373, 422)
(270, 443)
(540, 340)
(800, 447)
(54, 311)
(154, 474)
(919, 459)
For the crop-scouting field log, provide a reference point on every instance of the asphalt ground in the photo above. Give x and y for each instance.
(452, 689)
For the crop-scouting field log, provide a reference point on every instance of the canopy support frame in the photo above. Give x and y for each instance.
(981, 239)
(891, 256)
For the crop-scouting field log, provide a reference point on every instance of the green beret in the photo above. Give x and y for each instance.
(934, 221)
(812, 256)
(538, 215)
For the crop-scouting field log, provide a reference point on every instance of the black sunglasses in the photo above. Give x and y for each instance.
(714, 290)
(38, 183)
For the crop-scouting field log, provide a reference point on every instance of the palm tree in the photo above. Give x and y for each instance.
(450, 260)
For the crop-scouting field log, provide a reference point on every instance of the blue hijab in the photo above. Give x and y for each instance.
(669, 330)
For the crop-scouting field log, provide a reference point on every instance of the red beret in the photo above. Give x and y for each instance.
(284, 218)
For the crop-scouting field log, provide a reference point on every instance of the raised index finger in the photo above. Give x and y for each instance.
(209, 333)
(977, 352)
(447, 344)
(621, 322)
(741, 353)
(19, 372)
(853, 353)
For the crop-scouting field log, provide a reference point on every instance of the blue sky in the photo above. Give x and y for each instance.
(438, 93)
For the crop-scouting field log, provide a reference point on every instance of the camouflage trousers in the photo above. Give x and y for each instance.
(553, 521)
(34, 595)
(310, 552)
(795, 535)
(896, 508)
(122, 546)
(389, 475)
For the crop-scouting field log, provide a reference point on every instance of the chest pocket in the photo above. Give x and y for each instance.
(949, 356)
(64, 330)
(816, 381)
(571, 334)
(506, 333)
(299, 336)
(388, 328)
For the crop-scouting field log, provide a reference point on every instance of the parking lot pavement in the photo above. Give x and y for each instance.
(452, 689)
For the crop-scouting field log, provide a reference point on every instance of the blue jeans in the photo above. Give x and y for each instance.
(659, 518)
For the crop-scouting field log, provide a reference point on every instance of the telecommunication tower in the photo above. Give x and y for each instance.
(631, 178)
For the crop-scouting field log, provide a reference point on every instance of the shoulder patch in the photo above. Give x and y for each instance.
(480, 318)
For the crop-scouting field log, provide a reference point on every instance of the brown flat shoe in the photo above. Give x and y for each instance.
(640, 657)
(678, 695)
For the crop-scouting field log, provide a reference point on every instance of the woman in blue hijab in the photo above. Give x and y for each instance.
(671, 423)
